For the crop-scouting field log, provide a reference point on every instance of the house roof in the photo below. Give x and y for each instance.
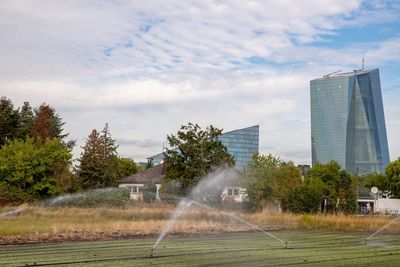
(154, 174)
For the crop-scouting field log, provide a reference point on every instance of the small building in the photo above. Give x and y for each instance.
(136, 181)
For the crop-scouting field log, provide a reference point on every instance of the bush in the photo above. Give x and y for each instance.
(149, 191)
(98, 197)
(304, 199)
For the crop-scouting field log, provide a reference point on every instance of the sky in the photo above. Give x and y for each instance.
(148, 67)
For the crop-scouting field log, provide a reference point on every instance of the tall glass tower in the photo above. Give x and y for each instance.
(348, 123)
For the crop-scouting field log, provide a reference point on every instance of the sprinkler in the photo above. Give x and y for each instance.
(286, 244)
(151, 253)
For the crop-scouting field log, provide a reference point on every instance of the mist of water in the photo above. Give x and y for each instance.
(76, 198)
(12, 212)
(181, 208)
(206, 190)
(382, 228)
(242, 221)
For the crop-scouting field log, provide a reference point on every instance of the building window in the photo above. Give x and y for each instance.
(134, 189)
(233, 192)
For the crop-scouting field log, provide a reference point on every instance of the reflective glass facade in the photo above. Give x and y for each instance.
(348, 123)
(242, 144)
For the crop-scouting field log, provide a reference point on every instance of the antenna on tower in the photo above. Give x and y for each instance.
(362, 63)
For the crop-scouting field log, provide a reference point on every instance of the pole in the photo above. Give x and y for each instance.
(357, 189)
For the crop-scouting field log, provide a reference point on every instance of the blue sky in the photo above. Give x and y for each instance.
(147, 67)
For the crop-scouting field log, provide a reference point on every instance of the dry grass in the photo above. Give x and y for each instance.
(140, 220)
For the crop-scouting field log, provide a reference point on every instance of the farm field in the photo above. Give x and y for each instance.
(305, 248)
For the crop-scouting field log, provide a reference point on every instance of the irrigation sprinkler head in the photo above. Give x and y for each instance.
(151, 253)
(286, 244)
(365, 241)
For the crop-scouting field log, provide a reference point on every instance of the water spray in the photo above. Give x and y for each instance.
(243, 221)
(381, 229)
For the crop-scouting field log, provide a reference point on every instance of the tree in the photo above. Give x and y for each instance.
(99, 165)
(267, 179)
(326, 178)
(347, 194)
(336, 186)
(31, 170)
(25, 121)
(127, 167)
(8, 120)
(375, 179)
(193, 153)
(393, 177)
(258, 179)
(48, 124)
(304, 199)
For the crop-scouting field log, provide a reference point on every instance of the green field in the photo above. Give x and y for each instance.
(244, 249)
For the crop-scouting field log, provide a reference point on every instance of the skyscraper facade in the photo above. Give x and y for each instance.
(242, 144)
(348, 123)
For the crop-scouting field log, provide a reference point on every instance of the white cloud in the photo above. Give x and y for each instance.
(147, 67)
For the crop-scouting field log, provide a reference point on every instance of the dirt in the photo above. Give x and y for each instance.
(66, 237)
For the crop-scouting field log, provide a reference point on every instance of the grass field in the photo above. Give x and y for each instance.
(305, 248)
(41, 224)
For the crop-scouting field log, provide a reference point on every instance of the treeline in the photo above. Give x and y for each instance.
(36, 157)
(325, 188)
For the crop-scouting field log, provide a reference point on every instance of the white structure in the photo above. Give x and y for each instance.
(387, 206)
(136, 182)
(234, 193)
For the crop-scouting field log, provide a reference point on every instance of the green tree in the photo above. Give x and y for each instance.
(347, 193)
(25, 121)
(267, 179)
(127, 167)
(326, 178)
(99, 164)
(259, 178)
(8, 120)
(304, 199)
(31, 170)
(193, 153)
(393, 177)
(375, 179)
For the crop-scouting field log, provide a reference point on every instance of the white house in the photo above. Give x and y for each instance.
(136, 181)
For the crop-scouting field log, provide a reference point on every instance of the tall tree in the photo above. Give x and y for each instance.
(25, 121)
(193, 153)
(99, 165)
(8, 120)
(47, 124)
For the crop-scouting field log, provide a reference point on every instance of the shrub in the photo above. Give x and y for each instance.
(304, 198)
(149, 191)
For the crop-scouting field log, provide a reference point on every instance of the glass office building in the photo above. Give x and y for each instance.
(242, 144)
(348, 123)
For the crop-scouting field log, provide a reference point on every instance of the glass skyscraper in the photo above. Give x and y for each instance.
(348, 123)
(242, 144)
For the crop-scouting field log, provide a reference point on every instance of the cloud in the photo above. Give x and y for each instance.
(147, 67)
